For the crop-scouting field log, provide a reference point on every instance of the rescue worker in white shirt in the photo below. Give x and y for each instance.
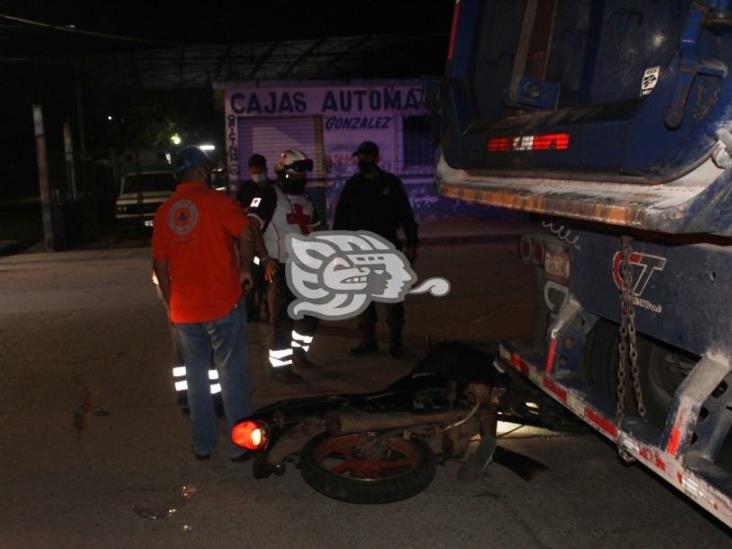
(282, 209)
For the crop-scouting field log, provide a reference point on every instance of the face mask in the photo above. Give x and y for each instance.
(366, 166)
(259, 177)
(293, 185)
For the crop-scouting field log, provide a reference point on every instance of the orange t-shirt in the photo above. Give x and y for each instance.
(194, 232)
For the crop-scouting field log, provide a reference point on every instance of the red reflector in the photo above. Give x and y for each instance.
(250, 435)
(453, 31)
(603, 423)
(519, 364)
(525, 248)
(538, 252)
(555, 389)
(674, 441)
(551, 355)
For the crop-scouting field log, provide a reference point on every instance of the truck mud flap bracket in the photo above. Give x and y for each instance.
(655, 457)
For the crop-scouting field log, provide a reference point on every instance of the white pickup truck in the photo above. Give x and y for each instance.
(141, 193)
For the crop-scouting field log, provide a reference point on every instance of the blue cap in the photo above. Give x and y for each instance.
(189, 158)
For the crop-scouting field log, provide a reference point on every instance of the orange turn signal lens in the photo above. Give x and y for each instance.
(249, 434)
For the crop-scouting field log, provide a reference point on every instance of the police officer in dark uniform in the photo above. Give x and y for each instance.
(256, 299)
(257, 181)
(375, 200)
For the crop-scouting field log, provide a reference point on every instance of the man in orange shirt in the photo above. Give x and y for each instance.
(201, 280)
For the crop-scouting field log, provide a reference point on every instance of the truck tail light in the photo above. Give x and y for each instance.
(251, 435)
(522, 143)
(499, 144)
(526, 249)
(538, 257)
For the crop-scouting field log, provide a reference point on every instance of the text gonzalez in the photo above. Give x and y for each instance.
(358, 123)
(275, 102)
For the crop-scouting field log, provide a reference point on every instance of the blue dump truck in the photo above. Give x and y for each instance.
(611, 121)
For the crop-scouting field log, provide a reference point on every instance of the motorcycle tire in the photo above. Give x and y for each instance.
(329, 466)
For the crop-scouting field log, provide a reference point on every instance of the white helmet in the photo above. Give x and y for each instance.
(293, 161)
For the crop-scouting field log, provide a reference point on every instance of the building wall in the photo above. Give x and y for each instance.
(328, 120)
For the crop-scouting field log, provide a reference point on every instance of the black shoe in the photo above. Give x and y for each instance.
(300, 360)
(285, 375)
(365, 348)
(202, 457)
(246, 456)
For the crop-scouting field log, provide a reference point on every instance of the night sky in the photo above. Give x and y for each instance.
(38, 63)
(215, 22)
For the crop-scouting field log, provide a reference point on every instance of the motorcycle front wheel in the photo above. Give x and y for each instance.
(360, 469)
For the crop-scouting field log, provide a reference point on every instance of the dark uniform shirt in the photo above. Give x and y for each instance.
(248, 190)
(379, 205)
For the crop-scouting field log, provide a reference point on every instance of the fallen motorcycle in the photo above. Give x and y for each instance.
(383, 447)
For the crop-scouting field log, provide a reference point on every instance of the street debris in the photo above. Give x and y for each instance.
(169, 508)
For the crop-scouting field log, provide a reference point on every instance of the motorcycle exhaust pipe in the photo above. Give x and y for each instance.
(346, 423)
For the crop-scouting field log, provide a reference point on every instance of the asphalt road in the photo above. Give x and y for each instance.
(89, 429)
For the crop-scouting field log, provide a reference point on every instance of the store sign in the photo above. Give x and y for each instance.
(324, 101)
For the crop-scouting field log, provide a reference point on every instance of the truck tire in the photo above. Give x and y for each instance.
(662, 369)
(600, 358)
(332, 466)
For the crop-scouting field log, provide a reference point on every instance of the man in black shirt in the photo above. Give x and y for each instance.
(375, 200)
(256, 298)
(257, 180)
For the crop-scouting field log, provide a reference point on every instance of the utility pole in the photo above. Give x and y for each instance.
(69, 156)
(80, 122)
(43, 183)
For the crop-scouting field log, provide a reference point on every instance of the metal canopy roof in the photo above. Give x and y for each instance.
(365, 56)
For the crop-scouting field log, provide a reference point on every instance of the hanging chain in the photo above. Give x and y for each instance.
(625, 300)
(627, 346)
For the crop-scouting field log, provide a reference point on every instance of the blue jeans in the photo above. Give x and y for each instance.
(226, 339)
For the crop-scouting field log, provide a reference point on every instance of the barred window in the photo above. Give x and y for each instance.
(417, 140)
